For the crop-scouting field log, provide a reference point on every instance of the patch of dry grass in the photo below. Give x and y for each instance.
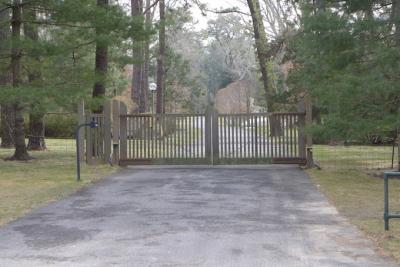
(359, 197)
(50, 176)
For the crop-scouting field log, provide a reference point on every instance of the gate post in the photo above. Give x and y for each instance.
(115, 130)
(208, 134)
(215, 137)
(81, 120)
(308, 122)
(89, 141)
(107, 131)
(302, 135)
(123, 132)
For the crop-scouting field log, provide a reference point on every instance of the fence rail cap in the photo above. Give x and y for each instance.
(388, 174)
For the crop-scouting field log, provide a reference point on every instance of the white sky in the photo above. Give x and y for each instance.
(211, 4)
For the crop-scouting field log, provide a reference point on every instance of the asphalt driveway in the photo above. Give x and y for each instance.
(244, 216)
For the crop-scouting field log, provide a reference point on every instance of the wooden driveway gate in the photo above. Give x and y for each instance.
(212, 138)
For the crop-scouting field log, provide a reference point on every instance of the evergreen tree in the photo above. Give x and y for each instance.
(348, 57)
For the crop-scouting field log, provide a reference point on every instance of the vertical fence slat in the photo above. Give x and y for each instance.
(123, 131)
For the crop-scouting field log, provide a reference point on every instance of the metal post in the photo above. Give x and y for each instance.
(386, 209)
(78, 161)
(386, 215)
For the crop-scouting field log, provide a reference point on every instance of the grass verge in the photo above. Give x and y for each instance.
(359, 197)
(49, 177)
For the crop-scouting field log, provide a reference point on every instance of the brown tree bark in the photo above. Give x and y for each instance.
(320, 5)
(138, 90)
(262, 47)
(36, 140)
(395, 18)
(7, 111)
(101, 65)
(160, 61)
(146, 69)
(7, 126)
(21, 152)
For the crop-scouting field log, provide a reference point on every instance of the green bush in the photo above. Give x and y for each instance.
(60, 126)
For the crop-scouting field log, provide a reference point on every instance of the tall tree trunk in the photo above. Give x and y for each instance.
(262, 54)
(320, 5)
(7, 111)
(261, 46)
(138, 95)
(395, 18)
(146, 69)
(101, 65)
(160, 61)
(7, 125)
(36, 140)
(21, 152)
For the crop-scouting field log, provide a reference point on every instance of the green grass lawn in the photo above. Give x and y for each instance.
(359, 197)
(50, 176)
(364, 157)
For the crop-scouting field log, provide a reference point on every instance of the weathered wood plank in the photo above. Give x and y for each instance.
(107, 129)
(123, 132)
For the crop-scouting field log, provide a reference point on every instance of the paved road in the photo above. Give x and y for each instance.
(265, 216)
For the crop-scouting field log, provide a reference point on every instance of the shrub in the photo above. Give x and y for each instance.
(60, 126)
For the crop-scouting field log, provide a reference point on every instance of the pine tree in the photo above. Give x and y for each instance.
(7, 117)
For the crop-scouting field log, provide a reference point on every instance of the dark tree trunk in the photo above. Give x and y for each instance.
(21, 152)
(7, 126)
(160, 61)
(101, 65)
(320, 5)
(7, 114)
(36, 139)
(262, 54)
(138, 90)
(143, 84)
(395, 17)
(146, 63)
(262, 47)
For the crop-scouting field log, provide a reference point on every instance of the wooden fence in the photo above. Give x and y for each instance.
(208, 138)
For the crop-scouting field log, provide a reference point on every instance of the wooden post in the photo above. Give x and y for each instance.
(123, 132)
(107, 131)
(89, 141)
(81, 120)
(215, 137)
(302, 135)
(308, 122)
(398, 150)
(115, 130)
(208, 135)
